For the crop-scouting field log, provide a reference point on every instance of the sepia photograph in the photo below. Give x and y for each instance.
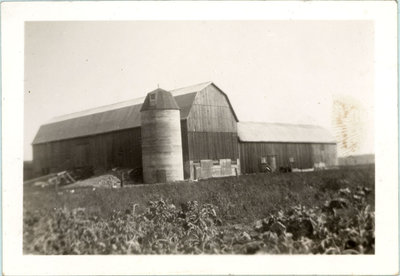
(200, 137)
(272, 154)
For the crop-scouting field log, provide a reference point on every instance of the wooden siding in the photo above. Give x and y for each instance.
(185, 149)
(212, 145)
(325, 153)
(304, 154)
(211, 112)
(28, 170)
(105, 151)
(211, 127)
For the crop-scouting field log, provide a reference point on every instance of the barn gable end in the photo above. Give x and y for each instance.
(212, 111)
(212, 126)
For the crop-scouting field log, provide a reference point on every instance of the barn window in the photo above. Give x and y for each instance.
(322, 148)
(153, 99)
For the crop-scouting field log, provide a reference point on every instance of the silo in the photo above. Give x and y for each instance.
(161, 138)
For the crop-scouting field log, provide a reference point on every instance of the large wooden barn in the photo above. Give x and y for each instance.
(214, 143)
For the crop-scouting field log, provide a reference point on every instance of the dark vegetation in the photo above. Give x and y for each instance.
(323, 212)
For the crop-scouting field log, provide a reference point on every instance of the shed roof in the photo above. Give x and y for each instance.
(114, 117)
(279, 132)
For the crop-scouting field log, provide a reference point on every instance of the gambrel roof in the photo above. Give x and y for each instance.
(119, 116)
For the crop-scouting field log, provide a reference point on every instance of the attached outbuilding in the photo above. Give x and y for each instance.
(285, 146)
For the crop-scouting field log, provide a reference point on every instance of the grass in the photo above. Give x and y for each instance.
(237, 200)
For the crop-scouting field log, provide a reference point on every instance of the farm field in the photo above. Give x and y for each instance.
(321, 212)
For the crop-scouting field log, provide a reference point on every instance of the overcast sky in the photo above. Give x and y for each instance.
(302, 72)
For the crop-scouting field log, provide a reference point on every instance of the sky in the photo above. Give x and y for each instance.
(300, 72)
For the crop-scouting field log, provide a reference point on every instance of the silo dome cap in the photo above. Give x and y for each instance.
(159, 99)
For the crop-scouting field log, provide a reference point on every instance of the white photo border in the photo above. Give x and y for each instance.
(383, 13)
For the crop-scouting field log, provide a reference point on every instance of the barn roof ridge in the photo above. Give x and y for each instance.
(135, 101)
(280, 123)
(190, 88)
(283, 132)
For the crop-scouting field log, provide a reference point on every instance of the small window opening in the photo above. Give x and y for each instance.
(152, 99)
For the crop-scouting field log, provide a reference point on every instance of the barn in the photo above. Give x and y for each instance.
(285, 146)
(213, 141)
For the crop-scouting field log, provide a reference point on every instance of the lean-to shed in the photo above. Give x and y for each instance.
(295, 146)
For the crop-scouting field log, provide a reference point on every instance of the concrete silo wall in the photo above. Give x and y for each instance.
(161, 146)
